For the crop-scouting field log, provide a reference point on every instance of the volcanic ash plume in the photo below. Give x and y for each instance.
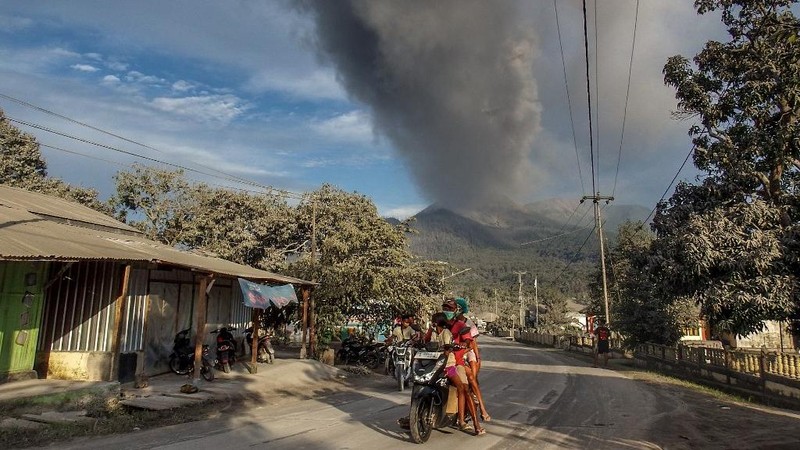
(449, 83)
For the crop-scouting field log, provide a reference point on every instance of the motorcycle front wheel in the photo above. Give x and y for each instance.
(421, 419)
(400, 375)
(371, 360)
(207, 372)
(175, 366)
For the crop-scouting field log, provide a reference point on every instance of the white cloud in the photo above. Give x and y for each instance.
(84, 68)
(318, 84)
(211, 108)
(402, 212)
(138, 77)
(94, 56)
(354, 126)
(110, 79)
(118, 66)
(182, 86)
(13, 23)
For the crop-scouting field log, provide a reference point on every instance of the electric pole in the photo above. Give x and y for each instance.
(536, 301)
(599, 225)
(521, 305)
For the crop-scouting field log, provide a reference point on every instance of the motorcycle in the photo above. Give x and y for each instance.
(434, 402)
(265, 352)
(226, 349)
(402, 357)
(181, 361)
(356, 351)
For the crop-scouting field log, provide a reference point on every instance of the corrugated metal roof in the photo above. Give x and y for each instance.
(25, 235)
(46, 205)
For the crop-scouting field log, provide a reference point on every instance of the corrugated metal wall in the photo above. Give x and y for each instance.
(132, 338)
(79, 310)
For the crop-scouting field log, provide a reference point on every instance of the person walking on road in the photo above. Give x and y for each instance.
(603, 336)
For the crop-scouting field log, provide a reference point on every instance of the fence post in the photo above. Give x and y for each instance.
(727, 366)
(680, 353)
(762, 365)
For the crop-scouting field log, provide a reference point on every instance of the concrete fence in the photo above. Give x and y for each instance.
(771, 373)
(775, 375)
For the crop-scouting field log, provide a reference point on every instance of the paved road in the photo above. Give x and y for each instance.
(538, 398)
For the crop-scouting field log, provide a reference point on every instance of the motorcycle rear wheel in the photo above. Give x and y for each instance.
(421, 419)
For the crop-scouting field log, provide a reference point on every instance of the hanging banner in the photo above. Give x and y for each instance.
(262, 296)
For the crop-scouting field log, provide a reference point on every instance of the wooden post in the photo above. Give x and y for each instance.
(200, 323)
(116, 337)
(312, 335)
(305, 294)
(256, 317)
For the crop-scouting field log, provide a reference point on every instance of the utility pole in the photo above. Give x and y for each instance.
(536, 301)
(495, 306)
(599, 225)
(521, 305)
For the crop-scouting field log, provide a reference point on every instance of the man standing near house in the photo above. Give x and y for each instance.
(603, 347)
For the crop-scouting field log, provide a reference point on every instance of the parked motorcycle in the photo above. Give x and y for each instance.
(226, 349)
(433, 400)
(356, 351)
(265, 353)
(181, 361)
(402, 356)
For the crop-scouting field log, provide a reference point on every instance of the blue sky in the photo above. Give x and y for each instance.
(240, 87)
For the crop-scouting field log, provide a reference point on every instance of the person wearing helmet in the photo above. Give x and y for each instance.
(472, 356)
(458, 374)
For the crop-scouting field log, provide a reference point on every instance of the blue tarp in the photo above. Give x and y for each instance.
(262, 296)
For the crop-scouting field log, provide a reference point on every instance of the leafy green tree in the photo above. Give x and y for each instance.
(362, 263)
(730, 243)
(22, 165)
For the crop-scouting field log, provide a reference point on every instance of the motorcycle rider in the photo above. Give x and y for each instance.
(472, 356)
(457, 374)
(406, 330)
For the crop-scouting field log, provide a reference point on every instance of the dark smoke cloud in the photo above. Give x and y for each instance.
(448, 82)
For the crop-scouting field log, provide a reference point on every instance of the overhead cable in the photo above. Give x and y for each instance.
(589, 96)
(569, 100)
(147, 158)
(627, 95)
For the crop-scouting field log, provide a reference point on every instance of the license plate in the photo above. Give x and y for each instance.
(427, 355)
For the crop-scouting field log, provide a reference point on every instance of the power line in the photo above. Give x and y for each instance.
(569, 100)
(589, 95)
(60, 116)
(147, 158)
(669, 187)
(575, 256)
(227, 176)
(596, 91)
(627, 95)
(131, 166)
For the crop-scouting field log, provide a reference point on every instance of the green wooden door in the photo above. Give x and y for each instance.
(21, 300)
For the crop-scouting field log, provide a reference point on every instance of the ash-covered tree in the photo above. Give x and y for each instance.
(362, 263)
(156, 201)
(729, 243)
(252, 229)
(22, 166)
(641, 311)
